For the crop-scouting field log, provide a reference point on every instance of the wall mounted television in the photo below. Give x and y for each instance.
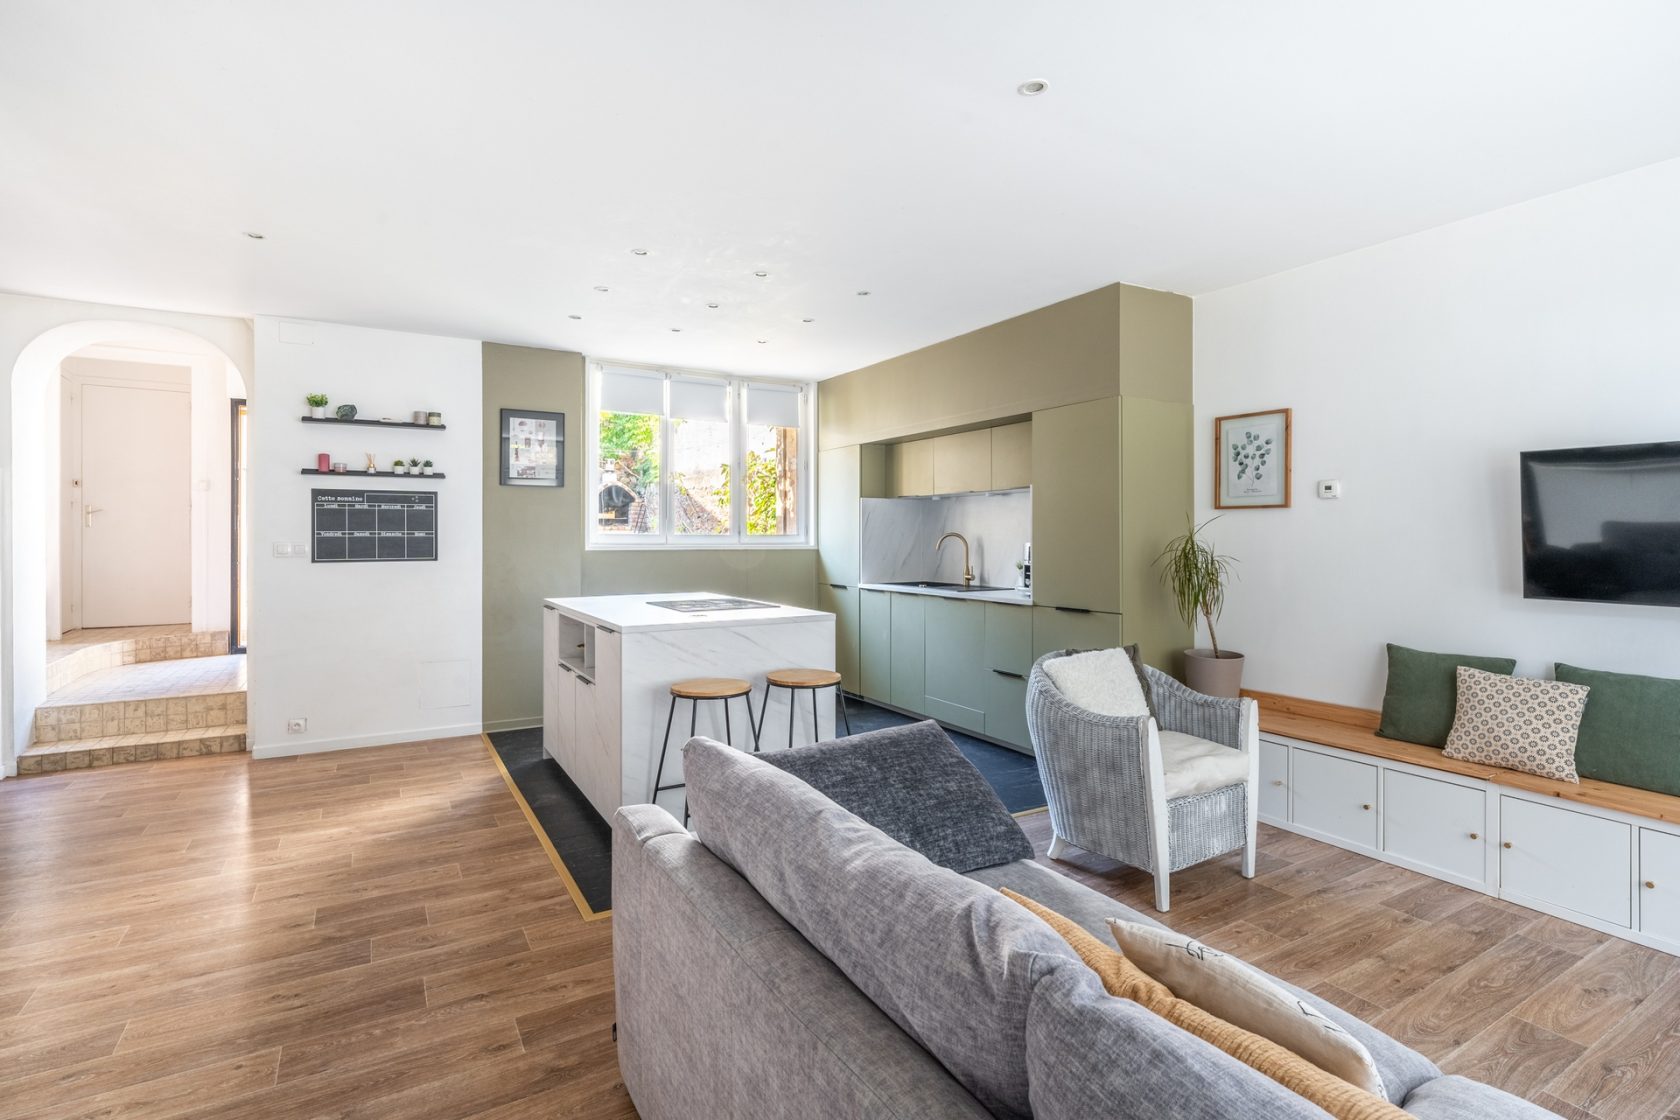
(1602, 524)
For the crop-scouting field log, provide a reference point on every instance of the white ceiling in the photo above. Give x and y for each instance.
(476, 168)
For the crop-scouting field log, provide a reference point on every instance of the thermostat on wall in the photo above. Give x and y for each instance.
(1329, 487)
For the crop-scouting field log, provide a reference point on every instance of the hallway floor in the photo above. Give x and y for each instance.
(193, 676)
(74, 641)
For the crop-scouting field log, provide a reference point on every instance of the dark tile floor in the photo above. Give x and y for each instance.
(584, 840)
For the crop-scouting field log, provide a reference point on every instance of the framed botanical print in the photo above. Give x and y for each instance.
(533, 448)
(1251, 460)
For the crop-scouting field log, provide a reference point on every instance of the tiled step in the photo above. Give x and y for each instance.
(114, 750)
(140, 650)
(136, 699)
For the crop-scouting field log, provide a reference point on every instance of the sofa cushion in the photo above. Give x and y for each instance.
(1630, 733)
(1518, 723)
(1121, 976)
(1422, 693)
(1103, 681)
(1403, 1069)
(950, 961)
(913, 784)
(1459, 1098)
(1091, 1055)
(1192, 765)
(1245, 996)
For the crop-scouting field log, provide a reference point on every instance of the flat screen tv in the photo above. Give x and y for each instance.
(1602, 524)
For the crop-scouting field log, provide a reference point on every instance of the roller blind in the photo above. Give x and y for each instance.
(695, 399)
(773, 405)
(632, 390)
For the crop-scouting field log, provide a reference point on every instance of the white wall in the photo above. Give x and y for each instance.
(35, 335)
(1417, 370)
(376, 652)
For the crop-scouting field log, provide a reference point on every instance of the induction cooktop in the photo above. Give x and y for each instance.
(696, 606)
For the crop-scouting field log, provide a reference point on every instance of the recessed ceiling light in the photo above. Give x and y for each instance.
(601, 288)
(1032, 87)
(761, 274)
(762, 341)
(864, 292)
(253, 236)
(676, 330)
(713, 306)
(639, 252)
(807, 320)
(574, 316)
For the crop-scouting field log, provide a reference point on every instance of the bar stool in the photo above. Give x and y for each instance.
(697, 690)
(803, 680)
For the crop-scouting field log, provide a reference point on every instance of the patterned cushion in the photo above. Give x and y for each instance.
(1517, 722)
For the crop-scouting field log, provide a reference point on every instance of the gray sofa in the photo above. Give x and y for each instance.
(792, 960)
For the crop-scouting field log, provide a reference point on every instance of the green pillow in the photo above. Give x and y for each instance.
(1630, 733)
(1422, 694)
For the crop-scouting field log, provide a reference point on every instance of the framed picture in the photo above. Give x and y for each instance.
(1251, 460)
(533, 448)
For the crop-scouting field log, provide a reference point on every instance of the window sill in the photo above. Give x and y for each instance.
(698, 546)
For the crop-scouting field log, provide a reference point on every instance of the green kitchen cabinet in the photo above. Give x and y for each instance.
(839, 485)
(1008, 641)
(909, 637)
(1076, 505)
(910, 469)
(1054, 629)
(962, 463)
(1012, 456)
(842, 602)
(1006, 709)
(875, 645)
(954, 676)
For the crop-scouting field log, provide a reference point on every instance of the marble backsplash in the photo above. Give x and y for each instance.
(897, 537)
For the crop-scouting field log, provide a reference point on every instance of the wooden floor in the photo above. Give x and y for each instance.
(373, 933)
(1580, 1022)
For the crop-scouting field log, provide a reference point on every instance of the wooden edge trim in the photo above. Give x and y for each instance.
(584, 910)
(1031, 812)
(1280, 704)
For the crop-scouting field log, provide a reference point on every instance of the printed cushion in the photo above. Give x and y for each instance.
(1102, 681)
(913, 784)
(1630, 733)
(1422, 692)
(1230, 989)
(1195, 765)
(1122, 977)
(1517, 722)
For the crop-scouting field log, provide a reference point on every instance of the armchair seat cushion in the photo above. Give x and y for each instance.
(1193, 765)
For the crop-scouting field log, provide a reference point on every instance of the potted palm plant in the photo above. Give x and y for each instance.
(1197, 576)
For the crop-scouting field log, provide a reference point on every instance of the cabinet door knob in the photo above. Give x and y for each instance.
(1277, 781)
(1366, 807)
(1475, 836)
(1650, 886)
(1507, 843)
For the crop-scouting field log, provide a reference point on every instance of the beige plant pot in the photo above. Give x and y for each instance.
(1213, 676)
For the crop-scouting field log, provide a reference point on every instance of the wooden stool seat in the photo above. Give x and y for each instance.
(711, 688)
(803, 678)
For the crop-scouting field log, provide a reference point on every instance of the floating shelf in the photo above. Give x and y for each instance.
(371, 474)
(373, 423)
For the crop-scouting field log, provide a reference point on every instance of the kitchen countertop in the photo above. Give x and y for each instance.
(1007, 595)
(633, 613)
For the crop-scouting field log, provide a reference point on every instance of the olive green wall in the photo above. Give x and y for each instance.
(533, 536)
(781, 575)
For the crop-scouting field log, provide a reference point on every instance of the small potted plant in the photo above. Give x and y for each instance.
(399, 467)
(426, 467)
(414, 466)
(1197, 576)
(317, 405)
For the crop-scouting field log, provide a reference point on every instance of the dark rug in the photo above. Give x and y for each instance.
(584, 841)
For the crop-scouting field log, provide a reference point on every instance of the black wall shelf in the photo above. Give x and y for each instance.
(373, 423)
(371, 474)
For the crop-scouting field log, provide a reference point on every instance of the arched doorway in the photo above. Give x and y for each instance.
(28, 589)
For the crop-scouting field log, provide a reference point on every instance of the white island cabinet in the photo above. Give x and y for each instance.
(609, 662)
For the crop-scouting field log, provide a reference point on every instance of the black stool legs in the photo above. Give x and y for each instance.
(793, 708)
(693, 723)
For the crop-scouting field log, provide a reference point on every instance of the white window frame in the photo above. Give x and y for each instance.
(666, 539)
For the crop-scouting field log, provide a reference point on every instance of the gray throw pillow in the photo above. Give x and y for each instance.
(913, 784)
(949, 960)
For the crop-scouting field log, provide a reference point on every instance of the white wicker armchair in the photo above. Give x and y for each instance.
(1106, 783)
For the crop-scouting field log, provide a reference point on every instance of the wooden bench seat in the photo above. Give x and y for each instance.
(1355, 729)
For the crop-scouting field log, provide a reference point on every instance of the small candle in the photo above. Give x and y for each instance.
(323, 462)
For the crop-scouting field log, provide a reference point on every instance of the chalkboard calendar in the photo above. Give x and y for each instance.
(373, 525)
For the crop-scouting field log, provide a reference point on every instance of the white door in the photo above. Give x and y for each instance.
(136, 506)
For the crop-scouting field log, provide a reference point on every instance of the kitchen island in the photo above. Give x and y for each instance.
(609, 662)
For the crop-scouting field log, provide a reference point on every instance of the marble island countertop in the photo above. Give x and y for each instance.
(1006, 595)
(634, 613)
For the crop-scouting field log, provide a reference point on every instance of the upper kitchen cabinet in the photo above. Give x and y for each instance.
(962, 463)
(1011, 453)
(1076, 506)
(838, 491)
(910, 469)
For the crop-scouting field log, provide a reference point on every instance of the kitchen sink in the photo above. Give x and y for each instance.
(935, 586)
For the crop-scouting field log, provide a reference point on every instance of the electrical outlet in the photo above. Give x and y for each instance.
(296, 726)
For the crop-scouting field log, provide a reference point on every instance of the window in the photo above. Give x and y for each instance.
(693, 460)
